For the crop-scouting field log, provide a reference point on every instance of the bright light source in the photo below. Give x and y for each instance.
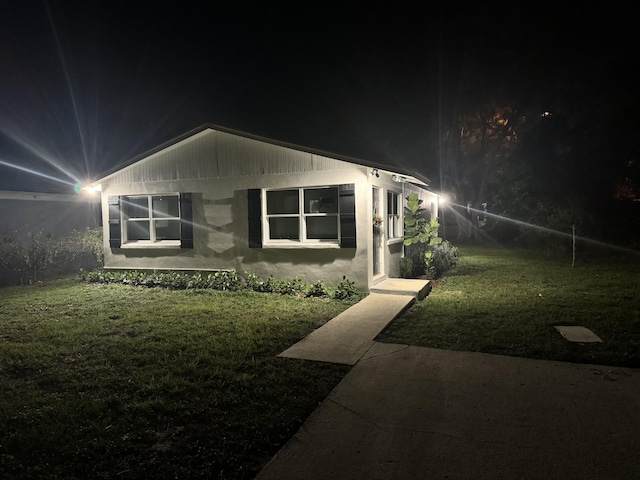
(87, 189)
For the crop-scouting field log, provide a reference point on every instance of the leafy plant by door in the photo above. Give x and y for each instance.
(420, 237)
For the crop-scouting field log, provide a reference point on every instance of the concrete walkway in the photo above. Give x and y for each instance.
(346, 338)
(406, 412)
(419, 413)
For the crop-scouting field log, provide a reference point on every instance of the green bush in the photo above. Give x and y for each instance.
(443, 258)
(318, 289)
(253, 282)
(292, 287)
(346, 290)
(406, 267)
(25, 261)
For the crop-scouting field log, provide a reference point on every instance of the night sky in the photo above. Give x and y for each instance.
(87, 85)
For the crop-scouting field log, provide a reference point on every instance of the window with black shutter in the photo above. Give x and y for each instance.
(159, 220)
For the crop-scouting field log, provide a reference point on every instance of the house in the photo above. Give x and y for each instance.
(216, 199)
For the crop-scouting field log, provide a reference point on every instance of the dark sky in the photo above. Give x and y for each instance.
(87, 85)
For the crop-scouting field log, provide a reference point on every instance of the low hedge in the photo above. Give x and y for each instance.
(224, 280)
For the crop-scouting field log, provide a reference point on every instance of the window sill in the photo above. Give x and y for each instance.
(145, 245)
(393, 241)
(301, 245)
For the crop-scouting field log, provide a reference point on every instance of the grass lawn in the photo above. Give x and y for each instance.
(507, 302)
(114, 381)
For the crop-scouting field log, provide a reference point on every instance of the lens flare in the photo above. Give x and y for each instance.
(35, 172)
(537, 227)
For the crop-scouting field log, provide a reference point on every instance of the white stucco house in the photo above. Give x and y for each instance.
(216, 199)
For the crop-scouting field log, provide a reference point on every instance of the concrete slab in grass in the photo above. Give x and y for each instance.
(578, 334)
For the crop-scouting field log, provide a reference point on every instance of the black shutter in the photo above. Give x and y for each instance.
(347, 215)
(254, 206)
(115, 232)
(186, 220)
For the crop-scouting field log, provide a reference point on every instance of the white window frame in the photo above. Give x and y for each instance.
(302, 216)
(153, 242)
(395, 220)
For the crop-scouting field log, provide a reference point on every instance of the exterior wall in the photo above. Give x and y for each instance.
(220, 217)
(219, 169)
(32, 212)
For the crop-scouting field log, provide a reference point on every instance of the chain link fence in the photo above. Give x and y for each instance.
(42, 257)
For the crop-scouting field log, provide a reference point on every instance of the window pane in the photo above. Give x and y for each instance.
(284, 228)
(322, 228)
(321, 200)
(138, 231)
(392, 203)
(136, 207)
(165, 206)
(282, 202)
(167, 229)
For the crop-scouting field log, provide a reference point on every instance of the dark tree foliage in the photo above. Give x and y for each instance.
(538, 122)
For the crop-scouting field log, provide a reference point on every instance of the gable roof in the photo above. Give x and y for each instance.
(420, 179)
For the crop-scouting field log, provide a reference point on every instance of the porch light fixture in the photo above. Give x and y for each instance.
(375, 173)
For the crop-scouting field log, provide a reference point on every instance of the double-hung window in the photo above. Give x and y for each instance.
(151, 219)
(302, 216)
(394, 217)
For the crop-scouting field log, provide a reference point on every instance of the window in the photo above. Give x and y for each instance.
(394, 217)
(280, 218)
(150, 220)
(302, 215)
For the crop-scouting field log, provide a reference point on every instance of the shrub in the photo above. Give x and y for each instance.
(346, 290)
(444, 257)
(292, 287)
(222, 280)
(318, 289)
(88, 241)
(253, 282)
(24, 262)
(406, 267)
(272, 285)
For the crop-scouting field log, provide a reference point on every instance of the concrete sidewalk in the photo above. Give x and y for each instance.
(407, 412)
(346, 338)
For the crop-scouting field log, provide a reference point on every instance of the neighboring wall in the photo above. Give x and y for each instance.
(32, 212)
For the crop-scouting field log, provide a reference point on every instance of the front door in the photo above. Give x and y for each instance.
(378, 232)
